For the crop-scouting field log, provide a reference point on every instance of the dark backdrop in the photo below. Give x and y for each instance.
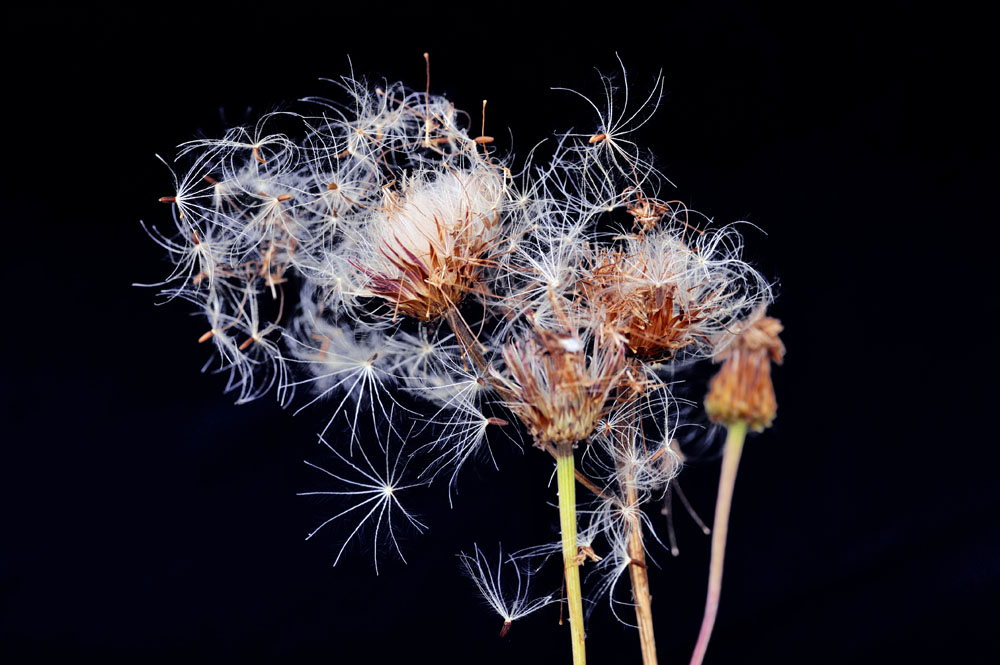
(146, 518)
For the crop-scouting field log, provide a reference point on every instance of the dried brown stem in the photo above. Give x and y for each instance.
(637, 570)
(472, 349)
(640, 585)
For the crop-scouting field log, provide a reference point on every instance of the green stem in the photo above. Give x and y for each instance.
(730, 463)
(567, 521)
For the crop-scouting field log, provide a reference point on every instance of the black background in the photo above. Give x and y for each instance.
(146, 518)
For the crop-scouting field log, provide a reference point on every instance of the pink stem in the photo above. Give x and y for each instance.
(730, 464)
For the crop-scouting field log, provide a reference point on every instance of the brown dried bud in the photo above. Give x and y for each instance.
(742, 390)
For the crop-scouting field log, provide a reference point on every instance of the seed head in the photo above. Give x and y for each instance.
(432, 239)
(655, 318)
(561, 387)
(671, 291)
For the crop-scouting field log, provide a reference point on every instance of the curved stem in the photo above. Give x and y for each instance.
(730, 464)
(567, 521)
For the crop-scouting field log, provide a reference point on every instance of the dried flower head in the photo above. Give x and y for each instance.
(652, 316)
(742, 391)
(562, 382)
(672, 290)
(432, 238)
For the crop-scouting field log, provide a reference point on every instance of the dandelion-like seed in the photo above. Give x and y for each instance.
(375, 489)
(341, 363)
(510, 601)
(616, 124)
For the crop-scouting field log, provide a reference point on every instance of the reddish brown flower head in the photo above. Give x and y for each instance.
(742, 390)
(654, 317)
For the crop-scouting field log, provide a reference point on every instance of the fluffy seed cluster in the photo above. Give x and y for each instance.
(434, 238)
(384, 256)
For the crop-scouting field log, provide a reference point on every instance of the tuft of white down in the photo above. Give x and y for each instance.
(433, 214)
